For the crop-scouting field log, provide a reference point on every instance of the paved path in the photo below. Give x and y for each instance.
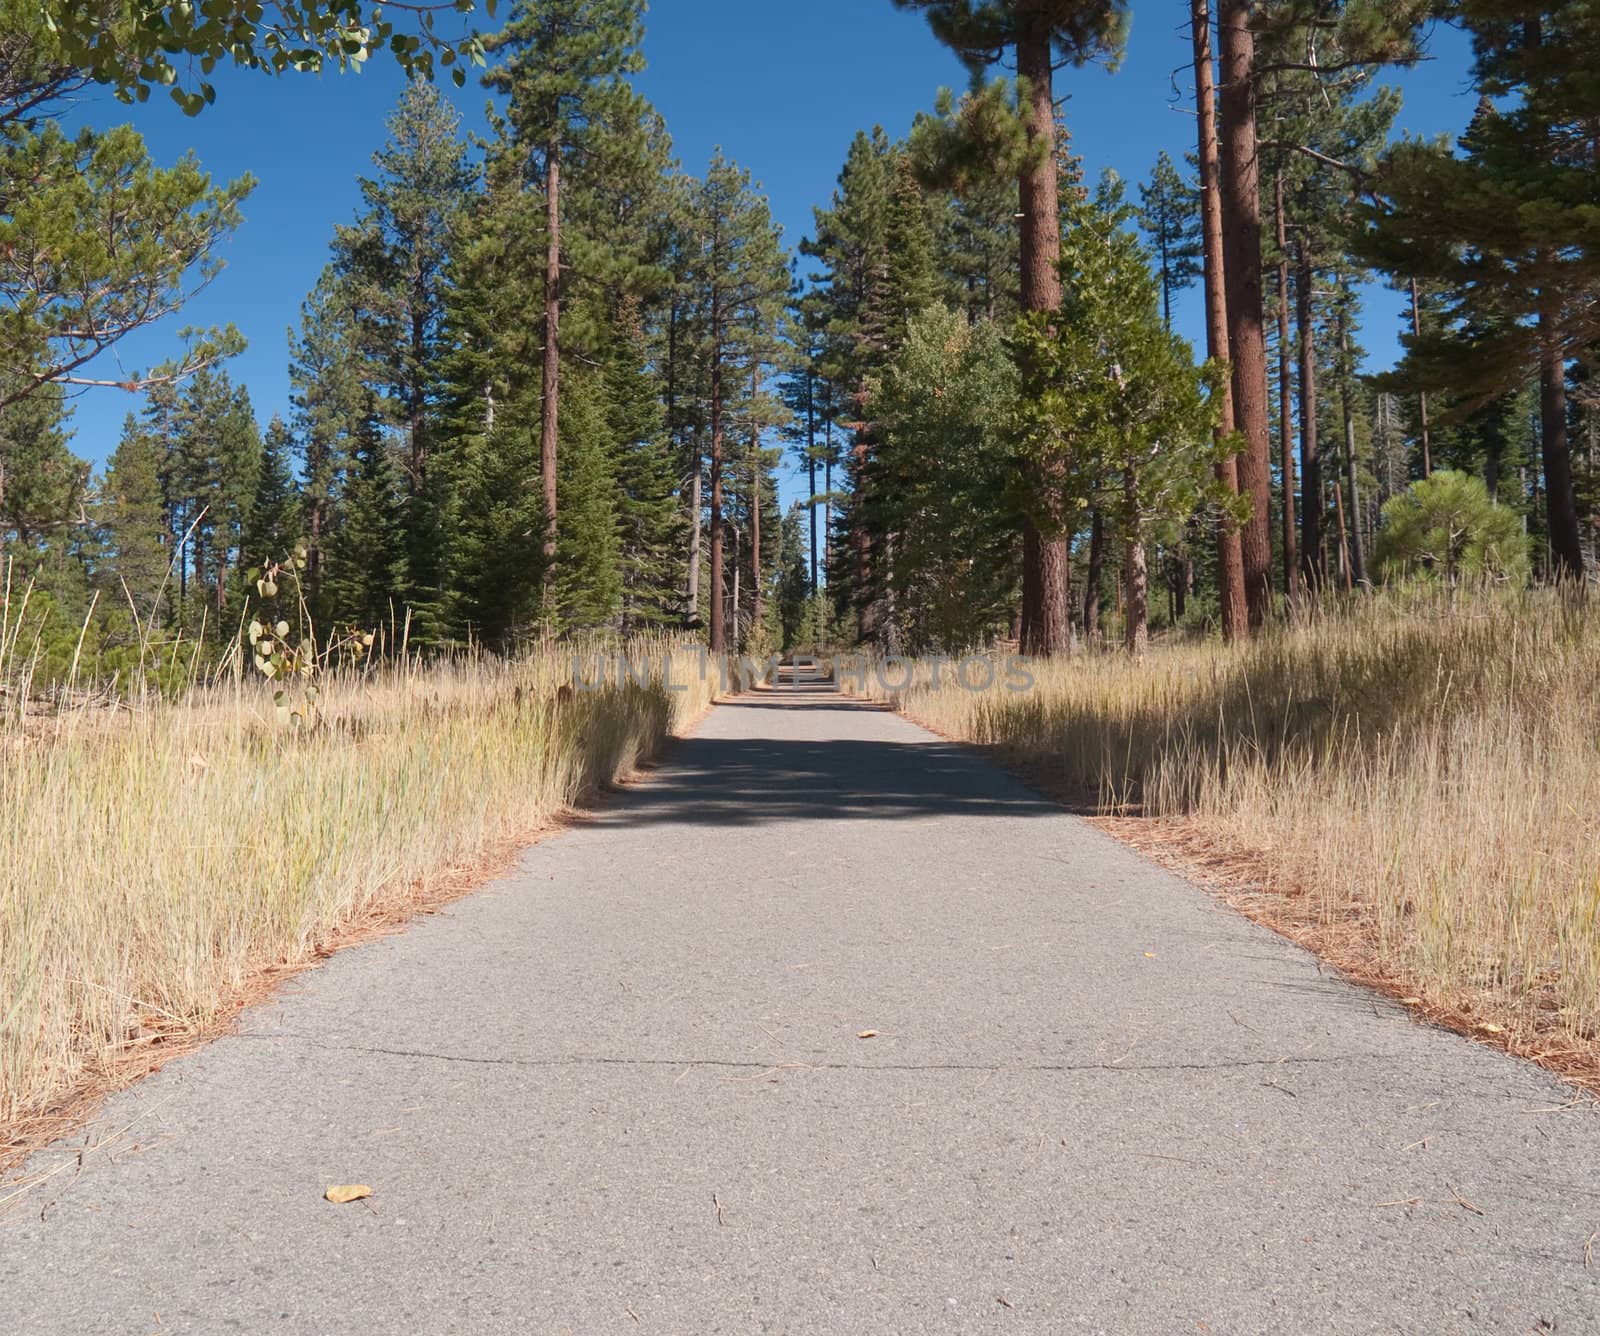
(622, 1091)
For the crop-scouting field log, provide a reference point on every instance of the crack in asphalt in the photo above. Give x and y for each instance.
(801, 1064)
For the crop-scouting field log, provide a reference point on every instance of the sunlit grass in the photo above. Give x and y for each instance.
(1428, 775)
(154, 859)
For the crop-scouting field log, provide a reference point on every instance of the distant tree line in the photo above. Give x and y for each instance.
(546, 382)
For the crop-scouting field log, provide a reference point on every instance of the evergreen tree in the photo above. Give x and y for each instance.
(944, 481)
(112, 242)
(366, 553)
(912, 280)
(273, 525)
(1327, 133)
(326, 395)
(847, 303)
(1129, 419)
(137, 556)
(740, 280)
(1506, 225)
(565, 65)
(42, 483)
(1448, 527)
(391, 267)
(794, 586)
(208, 454)
(649, 519)
(495, 589)
(587, 583)
(1169, 213)
(1041, 33)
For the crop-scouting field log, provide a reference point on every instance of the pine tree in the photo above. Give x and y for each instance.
(366, 554)
(793, 590)
(587, 582)
(1505, 225)
(325, 392)
(1345, 123)
(137, 556)
(1169, 213)
(1040, 32)
(391, 268)
(649, 519)
(565, 66)
(273, 525)
(847, 304)
(495, 589)
(740, 280)
(944, 481)
(113, 243)
(1131, 417)
(912, 280)
(42, 483)
(208, 454)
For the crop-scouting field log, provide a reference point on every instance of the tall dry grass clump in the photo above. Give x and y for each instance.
(1424, 777)
(155, 858)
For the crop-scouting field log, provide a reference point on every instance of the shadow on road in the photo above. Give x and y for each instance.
(756, 781)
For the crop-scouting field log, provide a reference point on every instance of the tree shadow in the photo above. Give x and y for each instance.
(761, 780)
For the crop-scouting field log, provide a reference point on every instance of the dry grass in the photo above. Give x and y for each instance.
(1416, 787)
(160, 863)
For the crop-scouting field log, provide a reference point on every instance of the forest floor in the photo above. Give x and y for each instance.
(825, 1025)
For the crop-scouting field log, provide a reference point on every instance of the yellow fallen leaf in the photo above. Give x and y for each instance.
(1149, 955)
(341, 1193)
(867, 1034)
(1488, 1028)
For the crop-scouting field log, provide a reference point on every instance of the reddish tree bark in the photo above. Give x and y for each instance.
(719, 628)
(755, 509)
(1230, 552)
(1247, 342)
(1291, 561)
(1045, 629)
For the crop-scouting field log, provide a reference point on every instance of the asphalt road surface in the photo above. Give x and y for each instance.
(625, 1089)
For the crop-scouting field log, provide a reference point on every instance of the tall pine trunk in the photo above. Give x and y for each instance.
(1230, 552)
(1561, 508)
(696, 520)
(867, 625)
(1422, 395)
(1044, 569)
(1291, 560)
(733, 599)
(1136, 584)
(1091, 587)
(1247, 343)
(549, 408)
(827, 491)
(719, 631)
(1358, 555)
(811, 466)
(755, 509)
(1313, 560)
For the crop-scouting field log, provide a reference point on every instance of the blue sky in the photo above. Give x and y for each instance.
(780, 89)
